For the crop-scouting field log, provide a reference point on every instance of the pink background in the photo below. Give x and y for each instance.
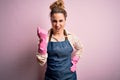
(96, 22)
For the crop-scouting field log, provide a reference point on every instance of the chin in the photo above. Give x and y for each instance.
(58, 31)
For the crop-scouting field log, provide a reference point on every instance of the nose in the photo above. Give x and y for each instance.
(57, 24)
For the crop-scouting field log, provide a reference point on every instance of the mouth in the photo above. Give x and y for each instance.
(57, 28)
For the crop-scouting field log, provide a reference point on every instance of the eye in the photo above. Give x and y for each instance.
(54, 21)
(60, 20)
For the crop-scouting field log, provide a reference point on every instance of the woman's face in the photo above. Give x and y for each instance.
(58, 22)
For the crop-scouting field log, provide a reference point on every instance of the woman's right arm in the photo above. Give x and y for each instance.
(42, 46)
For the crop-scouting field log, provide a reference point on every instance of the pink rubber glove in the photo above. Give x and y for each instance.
(42, 46)
(74, 62)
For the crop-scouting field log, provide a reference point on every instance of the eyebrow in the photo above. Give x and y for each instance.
(56, 20)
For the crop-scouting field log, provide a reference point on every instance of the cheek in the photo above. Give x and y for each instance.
(53, 24)
(63, 24)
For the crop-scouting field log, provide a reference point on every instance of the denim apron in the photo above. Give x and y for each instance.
(59, 61)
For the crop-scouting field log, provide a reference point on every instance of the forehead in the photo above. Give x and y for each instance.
(58, 16)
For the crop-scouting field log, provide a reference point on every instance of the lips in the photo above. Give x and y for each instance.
(57, 28)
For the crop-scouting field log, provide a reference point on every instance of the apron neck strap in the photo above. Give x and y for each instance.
(51, 32)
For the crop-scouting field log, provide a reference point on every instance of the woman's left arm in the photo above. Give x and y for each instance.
(78, 51)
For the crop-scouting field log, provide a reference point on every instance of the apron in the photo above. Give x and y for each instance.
(59, 61)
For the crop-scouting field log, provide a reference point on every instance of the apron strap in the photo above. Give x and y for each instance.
(51, 32)
(65, 33)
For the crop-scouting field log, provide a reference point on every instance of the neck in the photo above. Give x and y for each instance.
(60, 33)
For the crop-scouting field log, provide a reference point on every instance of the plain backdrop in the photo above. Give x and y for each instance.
(95, 22)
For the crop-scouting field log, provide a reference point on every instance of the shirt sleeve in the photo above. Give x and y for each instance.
(42, 59)
(78, 46)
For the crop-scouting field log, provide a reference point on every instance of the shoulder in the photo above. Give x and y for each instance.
(72, 36)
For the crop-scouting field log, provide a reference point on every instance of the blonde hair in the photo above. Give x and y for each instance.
(58, 7)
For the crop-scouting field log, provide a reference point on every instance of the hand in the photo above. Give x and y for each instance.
(42, 46)
(74, 62)
(73, 68)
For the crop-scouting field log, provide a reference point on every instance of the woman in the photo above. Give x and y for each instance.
(60, 46)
